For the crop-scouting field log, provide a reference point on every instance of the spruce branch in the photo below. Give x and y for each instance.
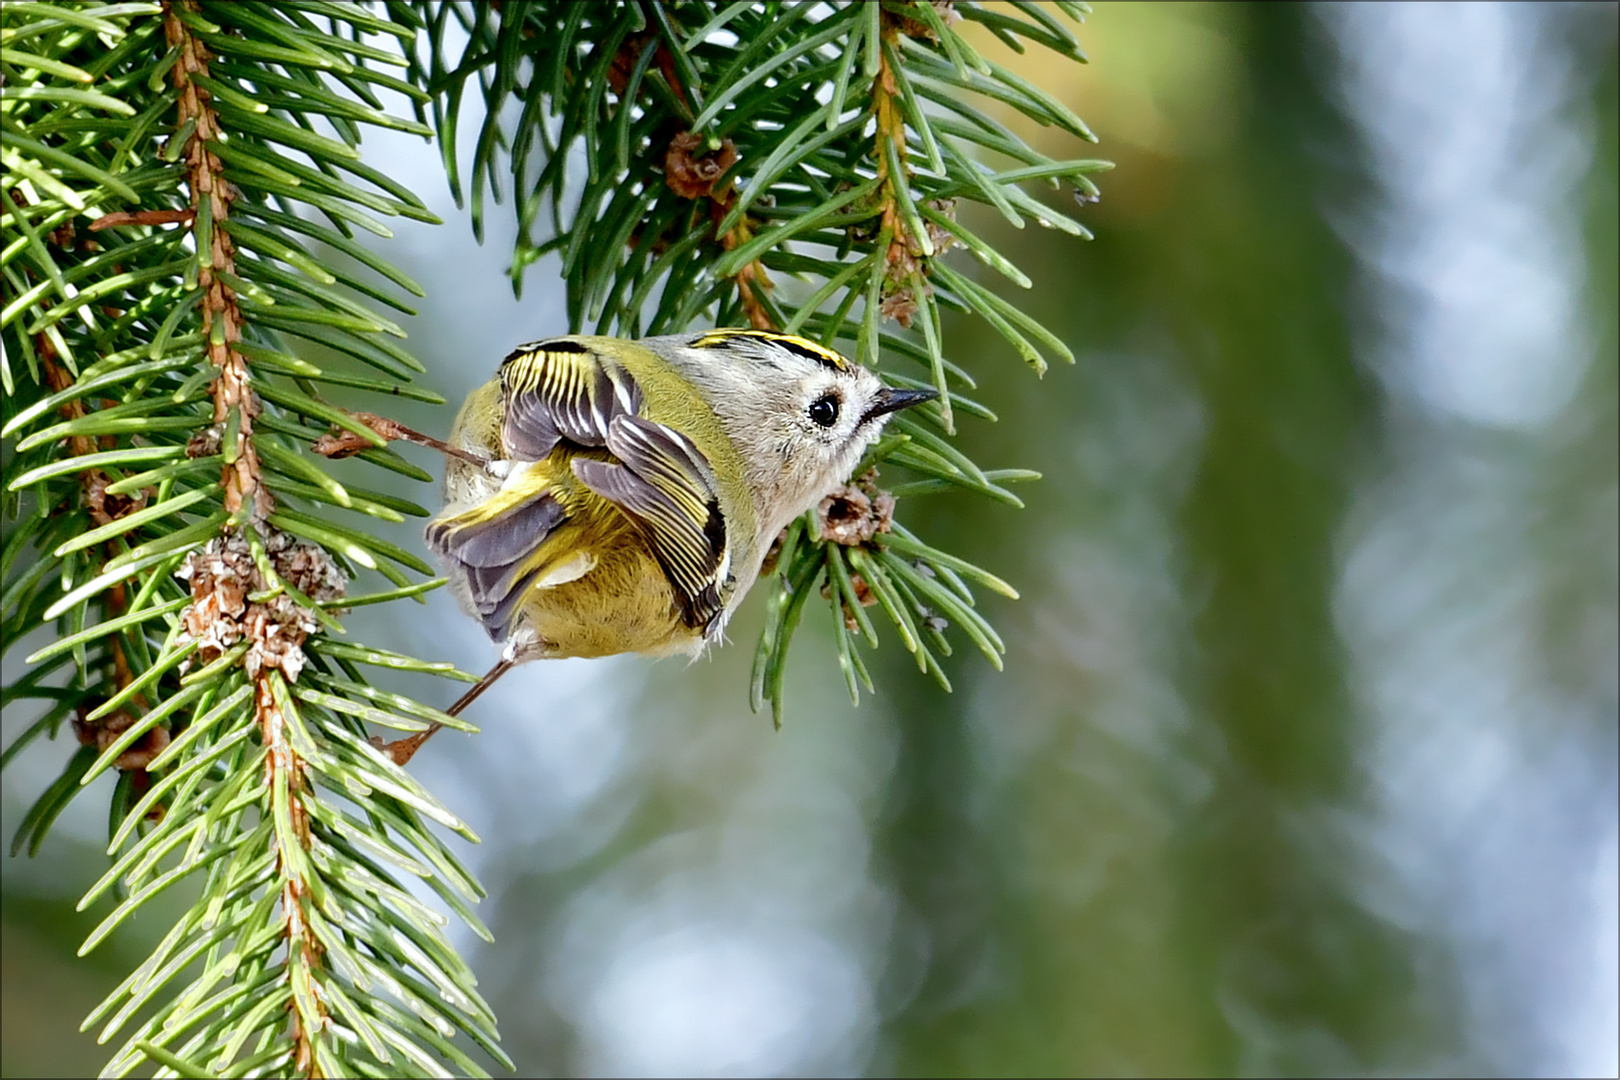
(206, 217)
(796, 167)
(189, 309)
(164, 514)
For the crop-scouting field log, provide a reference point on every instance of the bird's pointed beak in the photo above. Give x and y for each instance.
(890, 399)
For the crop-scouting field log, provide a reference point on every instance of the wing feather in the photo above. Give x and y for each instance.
(562, 390)
(494, 545)
(665, 484)
(500, 539)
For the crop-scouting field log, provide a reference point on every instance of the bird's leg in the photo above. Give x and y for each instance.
(400, 751)
(344, 443)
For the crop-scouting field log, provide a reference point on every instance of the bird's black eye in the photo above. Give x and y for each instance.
(824, 410)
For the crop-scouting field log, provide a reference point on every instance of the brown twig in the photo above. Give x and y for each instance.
(205, 178)
(143, 217)
(342, 443)
(243, 490)
(748, 277)
(103, 508)
(902, 257)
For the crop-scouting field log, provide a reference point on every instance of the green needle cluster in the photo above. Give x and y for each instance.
(177, 331)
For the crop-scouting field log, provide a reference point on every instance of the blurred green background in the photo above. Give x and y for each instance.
(1304, 760)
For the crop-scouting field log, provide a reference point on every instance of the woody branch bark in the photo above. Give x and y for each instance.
(216, 254)
(235, 407)
(104, 508)
(891, 133)
(905, 265)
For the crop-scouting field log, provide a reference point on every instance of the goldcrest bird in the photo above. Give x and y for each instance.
(607, 496)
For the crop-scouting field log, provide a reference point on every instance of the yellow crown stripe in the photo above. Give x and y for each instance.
(810, 350)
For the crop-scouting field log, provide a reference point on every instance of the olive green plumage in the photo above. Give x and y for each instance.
(632, 488)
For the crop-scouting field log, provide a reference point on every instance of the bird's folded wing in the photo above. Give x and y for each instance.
(667, 487)
(562, 389)
(495, 544)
